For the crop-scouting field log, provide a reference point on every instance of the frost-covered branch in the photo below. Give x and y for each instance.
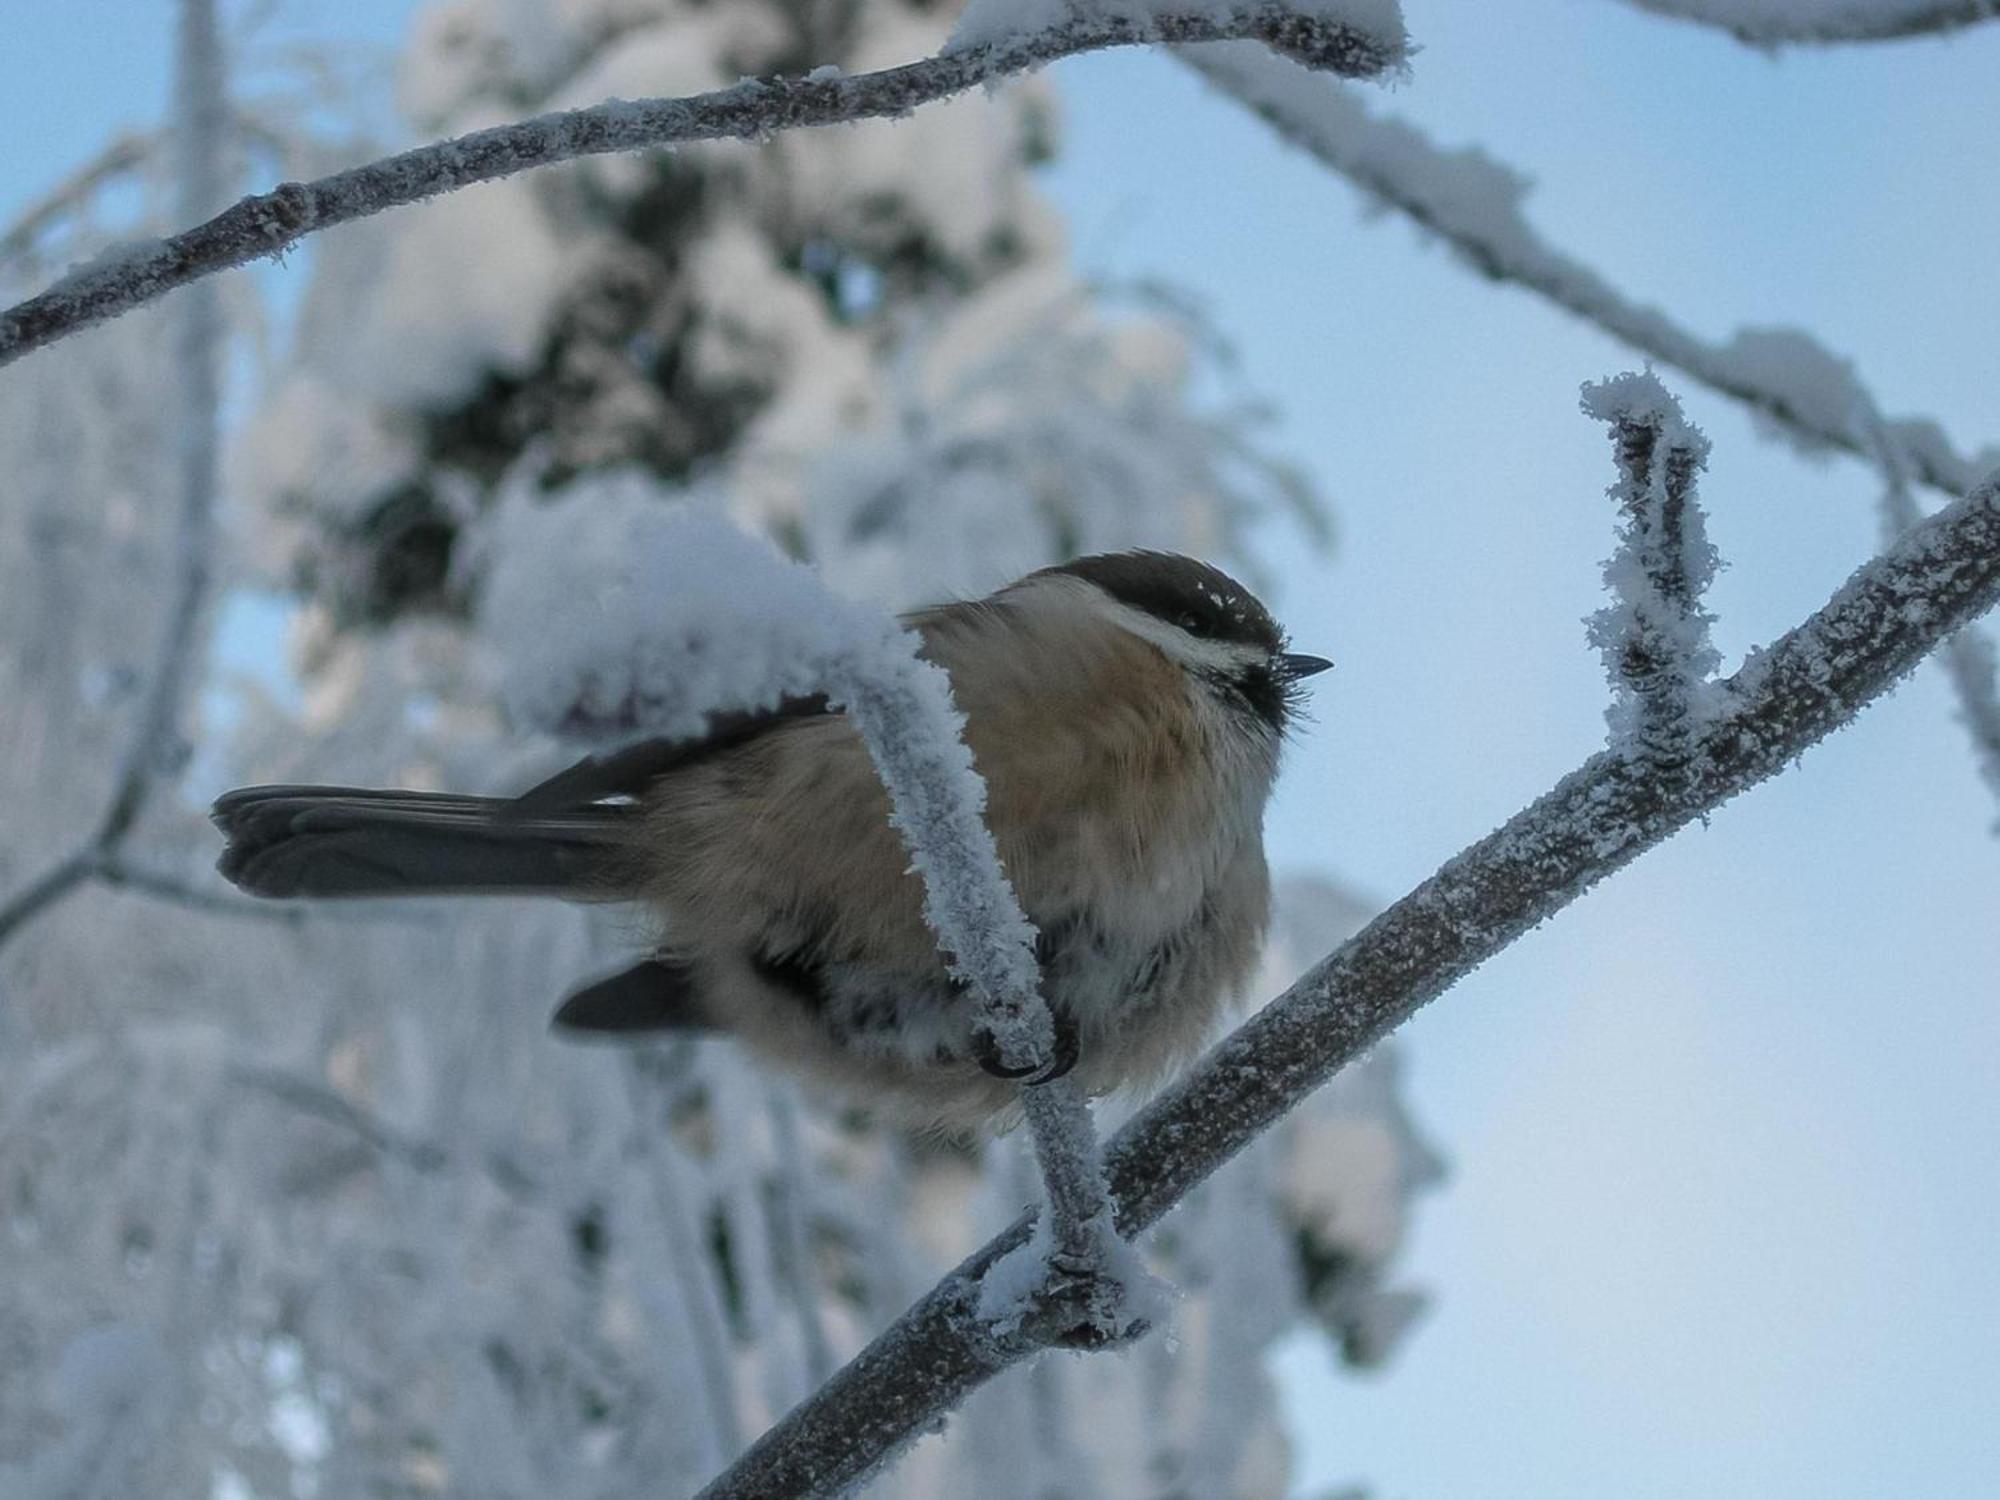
(1781, 23)
(1358, 38)
(1654, 634)
(1473, 203)
(156, 746)
(695, 618)
(1938, 576)
(1968, 658)
(902, 707)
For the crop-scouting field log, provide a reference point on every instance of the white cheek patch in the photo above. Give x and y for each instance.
(1226, 657)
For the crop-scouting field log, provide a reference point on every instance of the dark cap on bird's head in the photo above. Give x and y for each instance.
(1193, 595)
(1199, 598)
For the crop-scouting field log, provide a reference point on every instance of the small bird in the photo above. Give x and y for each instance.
(1126, 711)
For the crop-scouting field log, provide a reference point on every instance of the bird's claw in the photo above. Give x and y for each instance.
(1068, 1047)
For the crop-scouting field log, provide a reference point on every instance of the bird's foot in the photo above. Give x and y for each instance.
(1068, 1047)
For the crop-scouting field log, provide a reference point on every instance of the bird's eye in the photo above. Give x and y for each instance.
(1189, 621)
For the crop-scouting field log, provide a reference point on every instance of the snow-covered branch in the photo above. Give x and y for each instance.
(695, 618)
(156, 746)
(1357, 38)
(1473, 203)
(1938, 576)
(1968, 658)
(1781, 23)
(1654, 634)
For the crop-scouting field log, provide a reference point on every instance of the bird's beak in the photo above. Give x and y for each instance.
(1292, 666)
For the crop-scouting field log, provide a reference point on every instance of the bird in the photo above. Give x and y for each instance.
(1126, 711)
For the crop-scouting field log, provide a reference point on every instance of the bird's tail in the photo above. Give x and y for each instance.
(349, 841)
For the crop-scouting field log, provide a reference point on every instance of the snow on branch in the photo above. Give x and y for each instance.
(692, 618)
(1473, 203)
(1356, 38)
(1968, 658)
(1939, 575)
(1778, 23)
(1654, 635)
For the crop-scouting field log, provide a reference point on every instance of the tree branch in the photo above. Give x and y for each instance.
(39, 894)
(156, 744)
(1654, 634)
(1473, 204)
(1939, 575)
(901, 706)
(123, 155)
(1968, 657)
(264, 225)
(1831, 22)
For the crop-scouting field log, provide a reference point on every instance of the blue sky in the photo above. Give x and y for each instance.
(1724, 1136)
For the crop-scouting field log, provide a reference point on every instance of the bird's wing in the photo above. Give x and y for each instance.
(630, 769)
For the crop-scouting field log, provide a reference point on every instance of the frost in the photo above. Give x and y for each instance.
(1474, 204)
(987, 23)
(1773, 22)
(1654, 635)
(1819, 387)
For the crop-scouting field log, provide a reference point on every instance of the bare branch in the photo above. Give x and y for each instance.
(791, 1211)
(1830, 22)
(156, 746)
(1938, 576)
(124, 154)
(37, 895)
(310, 1097)
(118, 873)
(269, 223)
(1473, 203)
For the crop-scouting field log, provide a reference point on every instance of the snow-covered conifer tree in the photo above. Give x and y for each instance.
(366, 1217)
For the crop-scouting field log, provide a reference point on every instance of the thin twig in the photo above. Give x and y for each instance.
(120, 157)
(156, 744)
(29, 902)
(323, 1103)
(120, 874)
(1598, 819)
(1767, 27)
(1968, 657)
(269, 223)
(791, 1213)
(310, 1097)
(1654, 633)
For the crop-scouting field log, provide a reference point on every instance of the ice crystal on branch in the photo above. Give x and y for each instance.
(1654, 635)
